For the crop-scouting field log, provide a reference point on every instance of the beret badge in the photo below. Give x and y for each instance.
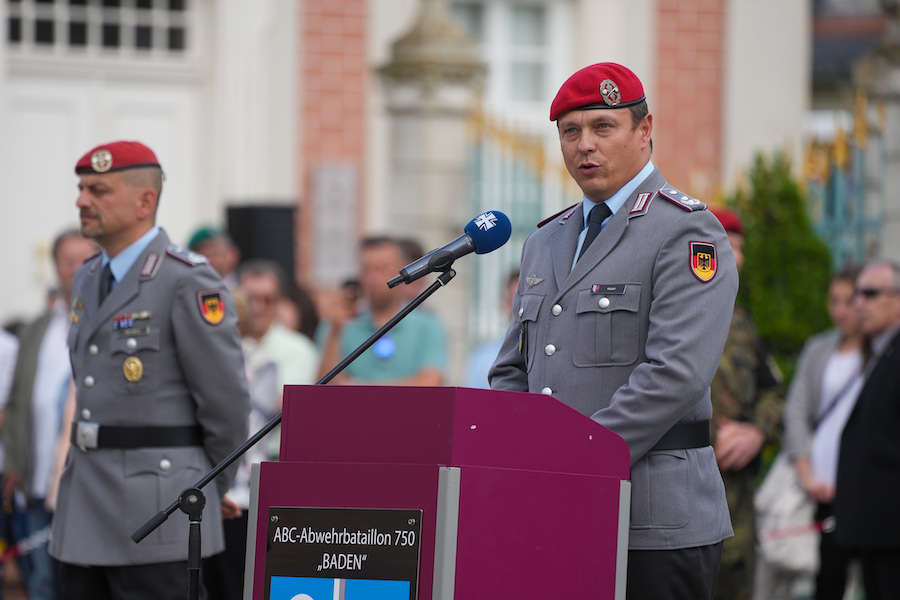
(610, 92)
(101, 160)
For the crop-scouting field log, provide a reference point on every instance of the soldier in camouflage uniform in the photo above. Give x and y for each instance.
(747, 406)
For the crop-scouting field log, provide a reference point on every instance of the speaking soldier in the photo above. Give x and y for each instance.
(622, 311)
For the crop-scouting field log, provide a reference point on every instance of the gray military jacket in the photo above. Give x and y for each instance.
(632, 337)
(191, 373)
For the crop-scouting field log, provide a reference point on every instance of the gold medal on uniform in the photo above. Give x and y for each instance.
(133, 369)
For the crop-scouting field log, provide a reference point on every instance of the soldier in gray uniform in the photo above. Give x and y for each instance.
(161, 390)
(622, 311)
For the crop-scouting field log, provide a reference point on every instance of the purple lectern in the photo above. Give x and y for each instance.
(497, 495)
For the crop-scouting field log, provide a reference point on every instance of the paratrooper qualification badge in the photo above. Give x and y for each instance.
(133, 369)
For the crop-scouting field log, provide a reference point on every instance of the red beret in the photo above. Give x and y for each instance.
(729, 220)
(604, 85)
(116, 156)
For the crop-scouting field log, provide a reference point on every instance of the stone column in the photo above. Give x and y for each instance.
(878, 75)
(432, 81)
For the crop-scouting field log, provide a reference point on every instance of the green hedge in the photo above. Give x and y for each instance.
(786, 265)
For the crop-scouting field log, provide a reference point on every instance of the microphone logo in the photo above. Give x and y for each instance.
(486, 221)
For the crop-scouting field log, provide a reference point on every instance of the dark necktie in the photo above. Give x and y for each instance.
(596, 217)
(106, 282)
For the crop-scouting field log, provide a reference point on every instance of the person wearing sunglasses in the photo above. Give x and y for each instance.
(867, 493)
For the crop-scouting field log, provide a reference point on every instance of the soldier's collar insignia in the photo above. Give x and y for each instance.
(571, 210)
(641, 205)
(532, 280)
(704, 262)
(151, 266)
(212, 306)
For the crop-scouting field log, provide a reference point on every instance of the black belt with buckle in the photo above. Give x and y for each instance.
(89, 436)
(684, 436)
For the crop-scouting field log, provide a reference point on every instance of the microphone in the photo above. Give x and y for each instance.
(485, 233)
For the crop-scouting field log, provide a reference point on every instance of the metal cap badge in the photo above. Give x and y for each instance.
(101, 160)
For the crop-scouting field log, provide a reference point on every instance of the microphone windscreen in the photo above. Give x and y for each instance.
(489, 231)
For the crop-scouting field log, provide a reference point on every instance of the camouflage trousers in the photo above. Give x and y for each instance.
(738, 553)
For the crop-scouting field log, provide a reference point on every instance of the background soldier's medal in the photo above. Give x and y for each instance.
(610, 92)
(123, 321)
(133, 369)
(212, 307)
(73, 316)
(703, 260)
(101, 160)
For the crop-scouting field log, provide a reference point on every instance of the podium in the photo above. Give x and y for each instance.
(438, 493)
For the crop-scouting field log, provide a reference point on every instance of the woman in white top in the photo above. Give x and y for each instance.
(821, 397)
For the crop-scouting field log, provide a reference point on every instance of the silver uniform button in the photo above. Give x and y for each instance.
(85, 414)
(521, 311)
(131, 344)
(89, 381)
(556, 310)
(93, 349)
(165, 464)
(603, 302)
(547, 391)
(549, 349)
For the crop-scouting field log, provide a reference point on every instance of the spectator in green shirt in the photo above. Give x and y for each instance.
(414, 352)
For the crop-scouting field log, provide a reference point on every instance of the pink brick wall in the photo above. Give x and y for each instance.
(333, 97)
(689, 88)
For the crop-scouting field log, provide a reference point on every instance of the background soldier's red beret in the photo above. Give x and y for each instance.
(729, 220)
(116, 156)
(604, 85)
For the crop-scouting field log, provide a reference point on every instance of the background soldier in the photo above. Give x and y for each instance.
(161, 390)
(747, 405)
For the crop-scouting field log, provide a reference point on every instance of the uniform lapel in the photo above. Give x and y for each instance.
(565, 238)
(125, 290)
(89, 293)
(609, 236)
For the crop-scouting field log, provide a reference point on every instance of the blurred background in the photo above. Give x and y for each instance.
(299, 127)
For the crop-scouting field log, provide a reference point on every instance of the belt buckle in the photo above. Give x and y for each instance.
(86, 435)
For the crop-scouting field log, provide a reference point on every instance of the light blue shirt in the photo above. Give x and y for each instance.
(615, 202)
(125, 259)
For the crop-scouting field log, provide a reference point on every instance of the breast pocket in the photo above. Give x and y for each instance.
(607, 332)
(529, 308)
(138, 360)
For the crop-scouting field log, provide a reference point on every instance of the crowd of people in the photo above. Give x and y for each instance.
(650, 346)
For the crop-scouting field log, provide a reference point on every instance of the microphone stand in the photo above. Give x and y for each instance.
(192, 500)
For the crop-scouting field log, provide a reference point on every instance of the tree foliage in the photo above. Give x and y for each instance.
(786, 265)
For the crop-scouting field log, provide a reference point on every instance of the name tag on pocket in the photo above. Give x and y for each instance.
(608, 290)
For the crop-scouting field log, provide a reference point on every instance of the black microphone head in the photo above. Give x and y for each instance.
(489, 230)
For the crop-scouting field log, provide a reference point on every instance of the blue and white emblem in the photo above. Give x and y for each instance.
(486, 221)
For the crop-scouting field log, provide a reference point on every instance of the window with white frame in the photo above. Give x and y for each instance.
(131, 28)
(522, 42)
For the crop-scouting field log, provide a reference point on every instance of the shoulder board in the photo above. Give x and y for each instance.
(91, 257)
(679, 199)
(186, 256)
(553, 216)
